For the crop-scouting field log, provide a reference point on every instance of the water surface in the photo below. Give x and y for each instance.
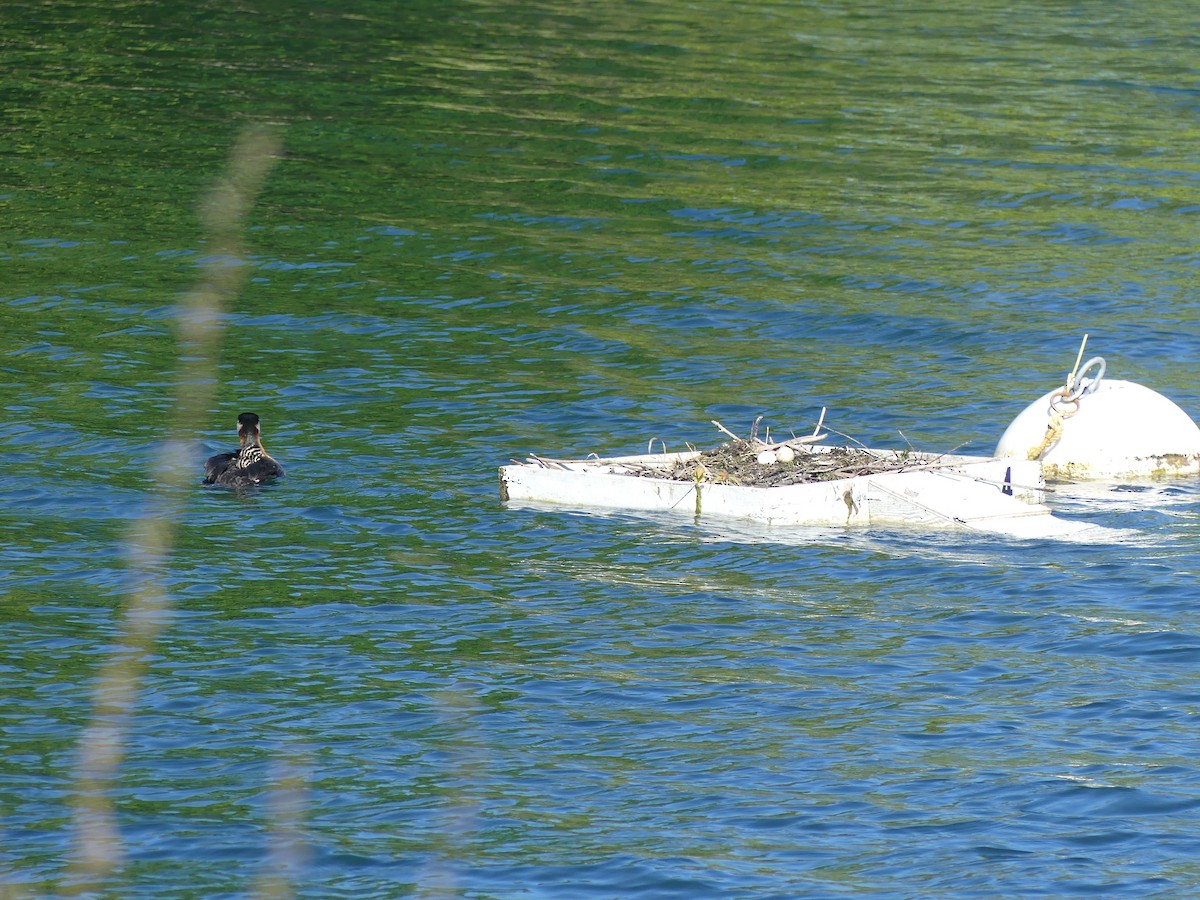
(503, 228)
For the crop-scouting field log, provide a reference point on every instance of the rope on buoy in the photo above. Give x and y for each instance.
(1065, 402)
(1054, 430)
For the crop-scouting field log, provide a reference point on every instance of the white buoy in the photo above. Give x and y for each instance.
(1104, 429)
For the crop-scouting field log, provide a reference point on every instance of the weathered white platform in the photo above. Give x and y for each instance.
(974, 493)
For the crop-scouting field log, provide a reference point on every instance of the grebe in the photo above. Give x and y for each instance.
(249, 465)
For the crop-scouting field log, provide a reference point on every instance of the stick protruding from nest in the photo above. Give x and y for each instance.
(757, 445)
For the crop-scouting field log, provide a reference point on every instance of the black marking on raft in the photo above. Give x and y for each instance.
(1007, 489)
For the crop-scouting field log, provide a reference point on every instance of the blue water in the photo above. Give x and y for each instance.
(497, 231)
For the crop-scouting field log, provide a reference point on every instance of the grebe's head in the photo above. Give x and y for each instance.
(248, 431)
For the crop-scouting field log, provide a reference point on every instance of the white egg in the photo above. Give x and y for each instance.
(785, 454)
(767, 458)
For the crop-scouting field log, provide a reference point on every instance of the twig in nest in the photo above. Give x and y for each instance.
(546, 463)
(795, 442)
(854, 440)
(721, 428)
(768, 444)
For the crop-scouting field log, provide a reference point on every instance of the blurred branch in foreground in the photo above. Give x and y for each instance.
(98, 851)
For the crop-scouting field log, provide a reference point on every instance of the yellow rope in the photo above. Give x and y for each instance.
(1053, 432)
(1054, 427)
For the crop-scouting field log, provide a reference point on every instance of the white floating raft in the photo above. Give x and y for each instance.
(997, 496)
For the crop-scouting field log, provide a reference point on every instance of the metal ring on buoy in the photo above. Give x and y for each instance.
(1065, 402)
(1059, 401)
(1080, 389)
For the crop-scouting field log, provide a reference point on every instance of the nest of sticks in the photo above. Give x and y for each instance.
(755, 462)
(733, 464)
(766, 463)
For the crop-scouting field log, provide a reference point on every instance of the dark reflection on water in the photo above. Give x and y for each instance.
(564, 230)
